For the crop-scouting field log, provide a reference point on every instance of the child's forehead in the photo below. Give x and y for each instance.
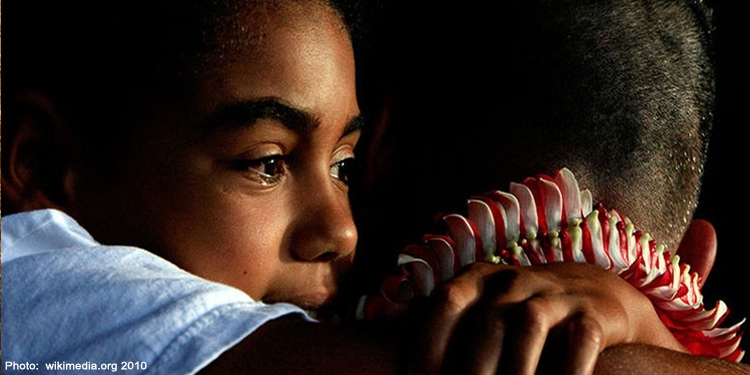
(206, 43)
(240, 30)
(292, 56)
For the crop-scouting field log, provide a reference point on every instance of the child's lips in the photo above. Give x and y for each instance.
(310, 295)
(312, 301)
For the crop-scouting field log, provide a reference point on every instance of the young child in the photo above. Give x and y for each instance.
(176, 196)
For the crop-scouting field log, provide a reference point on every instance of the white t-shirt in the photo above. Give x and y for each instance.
(72, 305)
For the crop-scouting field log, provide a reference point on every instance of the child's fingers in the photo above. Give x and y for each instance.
(476, 345)
(586, 341)
(500, 318)
(529, 325)
(443, 312)
(507, 327)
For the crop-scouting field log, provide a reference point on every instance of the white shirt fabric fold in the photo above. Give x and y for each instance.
(69, 301)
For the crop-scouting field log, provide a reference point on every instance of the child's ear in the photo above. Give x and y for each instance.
(37, 154)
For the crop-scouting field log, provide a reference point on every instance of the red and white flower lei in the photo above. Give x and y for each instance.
(545, 220)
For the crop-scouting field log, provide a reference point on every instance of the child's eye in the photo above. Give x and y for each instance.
(267, 170)
(343, 170)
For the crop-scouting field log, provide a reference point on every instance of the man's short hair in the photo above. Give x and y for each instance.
(621, 92)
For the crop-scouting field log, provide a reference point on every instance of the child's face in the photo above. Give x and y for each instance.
(243, 180)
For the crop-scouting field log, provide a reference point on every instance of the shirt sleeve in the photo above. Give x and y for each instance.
(99, 306)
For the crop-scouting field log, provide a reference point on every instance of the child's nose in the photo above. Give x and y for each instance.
(327, 231)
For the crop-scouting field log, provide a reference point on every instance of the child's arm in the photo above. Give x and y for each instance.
(488, 318)
(463, 328)
(291, 345)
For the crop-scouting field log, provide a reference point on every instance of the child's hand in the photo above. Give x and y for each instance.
(505, 318)
(589, 280)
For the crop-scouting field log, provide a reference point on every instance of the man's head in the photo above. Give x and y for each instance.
(216, 134)
(619, 92)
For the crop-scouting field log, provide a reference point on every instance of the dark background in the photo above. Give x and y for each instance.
(723, 197)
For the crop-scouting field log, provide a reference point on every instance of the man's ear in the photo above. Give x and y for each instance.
(698, 248)
(37, 155)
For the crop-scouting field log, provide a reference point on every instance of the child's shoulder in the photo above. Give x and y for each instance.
(88, 302)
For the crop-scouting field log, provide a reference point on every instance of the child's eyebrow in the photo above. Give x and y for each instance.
(355, 124)
(246, 113)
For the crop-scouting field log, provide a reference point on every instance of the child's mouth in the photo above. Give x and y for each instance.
(312, 304)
